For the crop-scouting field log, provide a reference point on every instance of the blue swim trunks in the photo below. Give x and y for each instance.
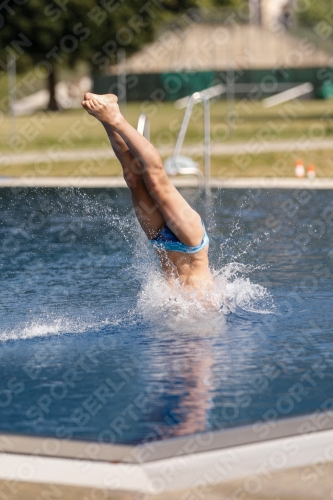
(167, 240)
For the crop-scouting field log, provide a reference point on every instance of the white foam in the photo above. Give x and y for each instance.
(39, 328)
(242, 293)
(232, 290)
(157, 302)
(46, 327)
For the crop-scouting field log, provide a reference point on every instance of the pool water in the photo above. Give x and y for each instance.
(94, 345)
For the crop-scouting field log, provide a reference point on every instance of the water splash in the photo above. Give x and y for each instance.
(232, 291)
(39, 328)
(111, 234)
(47, 327)
(241, 293)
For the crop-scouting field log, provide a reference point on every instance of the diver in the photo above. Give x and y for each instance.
(174, 229)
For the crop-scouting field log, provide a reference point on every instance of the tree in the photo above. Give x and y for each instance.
(314, 13)
(54, 33)
(229, 3)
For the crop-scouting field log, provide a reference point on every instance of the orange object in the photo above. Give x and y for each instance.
(299, 169)
(311, 171)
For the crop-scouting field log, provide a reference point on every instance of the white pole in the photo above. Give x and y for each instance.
(210, 92)
(230, 92)
(288, 95)
(11, 75)
(144, 126)
(254, 6)
(186, 120)
(206, 103)
(122, 97)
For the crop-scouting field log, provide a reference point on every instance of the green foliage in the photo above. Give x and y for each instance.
(315, 12)
(62, 32)
(49, 34)
(179, 5)
(229, 3)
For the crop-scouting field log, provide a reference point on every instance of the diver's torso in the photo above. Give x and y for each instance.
(190, 270)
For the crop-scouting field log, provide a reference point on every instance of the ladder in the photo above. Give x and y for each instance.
(185, 165)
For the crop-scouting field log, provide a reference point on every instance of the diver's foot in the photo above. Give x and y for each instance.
(103, 107)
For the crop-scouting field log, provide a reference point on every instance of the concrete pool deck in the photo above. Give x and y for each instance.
(250, 460)
(222, 183)
(309, 483)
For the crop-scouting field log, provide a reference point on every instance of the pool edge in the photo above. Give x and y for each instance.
(217, 466)
(179, 182)
(202, 442)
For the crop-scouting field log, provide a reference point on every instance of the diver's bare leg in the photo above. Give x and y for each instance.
(147, 212)
(145, 207)
(177, 213)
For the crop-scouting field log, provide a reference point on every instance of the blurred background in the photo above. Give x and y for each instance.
(266, 68)
(267, 61)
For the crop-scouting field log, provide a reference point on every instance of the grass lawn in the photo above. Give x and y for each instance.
(68, 130)
(263, 165)
(75, 128)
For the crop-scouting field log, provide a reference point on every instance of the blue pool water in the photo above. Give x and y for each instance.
(93, 344)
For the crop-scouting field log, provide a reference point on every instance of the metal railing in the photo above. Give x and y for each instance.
(185, 165)
(288, 95)
(210, 92)
(144, 126)
(194, 99)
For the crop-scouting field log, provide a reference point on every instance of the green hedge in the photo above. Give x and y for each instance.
(172, 86)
